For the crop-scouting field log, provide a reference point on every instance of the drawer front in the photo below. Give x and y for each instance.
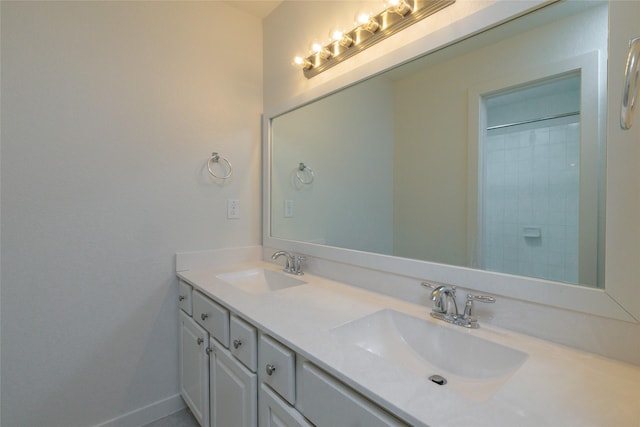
(275, 412)
(211, 316)
(244, 342)
(184, 297)
(325, 401)
(276, 368)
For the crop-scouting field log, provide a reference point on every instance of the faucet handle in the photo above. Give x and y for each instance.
(429, 285)
(435, 286)
(480, 298)
(469, 312)
(297, 264)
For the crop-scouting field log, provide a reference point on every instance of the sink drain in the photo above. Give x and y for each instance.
(440, 380)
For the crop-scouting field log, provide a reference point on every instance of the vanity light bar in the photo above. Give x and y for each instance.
(398, 15)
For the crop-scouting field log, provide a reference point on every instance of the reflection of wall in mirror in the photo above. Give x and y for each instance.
(349, 203)
(431, 197)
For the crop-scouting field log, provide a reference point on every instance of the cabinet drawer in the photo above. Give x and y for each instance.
(244, 342)
(274, 412)
(184, 297)
(212, 316)
(325, 401)
(277, 368)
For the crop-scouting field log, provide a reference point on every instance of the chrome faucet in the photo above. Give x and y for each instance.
(444, 299)
(445, 306)
(293, 263)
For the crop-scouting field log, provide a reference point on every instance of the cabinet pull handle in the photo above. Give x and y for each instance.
(270, 369)
(204, 316)
(237, 343)
(631, 77)
(200, 341)
(181, 298)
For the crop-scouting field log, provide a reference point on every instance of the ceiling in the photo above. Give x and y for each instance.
(259, 8)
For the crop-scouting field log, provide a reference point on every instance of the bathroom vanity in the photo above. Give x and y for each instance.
(261, 347)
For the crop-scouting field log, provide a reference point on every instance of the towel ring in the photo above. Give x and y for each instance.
(631, 75)
(301, 174)
(215, 158)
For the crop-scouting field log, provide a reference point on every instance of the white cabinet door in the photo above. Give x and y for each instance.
(194, 368)
(234, 391)
(275, 412)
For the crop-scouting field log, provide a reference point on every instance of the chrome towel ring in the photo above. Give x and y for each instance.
(304, 174)
(215, 158)
(631, 77)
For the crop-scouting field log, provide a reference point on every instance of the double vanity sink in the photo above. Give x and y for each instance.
(423, 347)
(420, 369)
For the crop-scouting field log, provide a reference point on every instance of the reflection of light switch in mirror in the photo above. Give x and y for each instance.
(233, 209)
(288, 208)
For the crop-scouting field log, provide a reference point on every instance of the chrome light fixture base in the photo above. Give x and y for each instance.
(378, 28)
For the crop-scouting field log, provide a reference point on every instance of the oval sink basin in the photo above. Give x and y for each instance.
(260, 280)
(426, 348)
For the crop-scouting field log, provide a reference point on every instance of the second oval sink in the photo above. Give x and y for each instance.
(259, 280)
(425, 348)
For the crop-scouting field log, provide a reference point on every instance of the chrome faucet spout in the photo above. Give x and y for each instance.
(278, 254)
(444, 299)
(450, 302)
(293, 263)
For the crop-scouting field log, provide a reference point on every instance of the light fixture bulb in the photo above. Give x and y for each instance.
(342, 38)
(401, 7)
(368, 22)
(302, 62)
(371, 25)
(322, 51)
(363, 18)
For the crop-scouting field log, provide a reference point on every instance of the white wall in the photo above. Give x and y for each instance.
(109, 113)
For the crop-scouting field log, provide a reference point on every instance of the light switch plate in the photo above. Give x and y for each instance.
(233, 209)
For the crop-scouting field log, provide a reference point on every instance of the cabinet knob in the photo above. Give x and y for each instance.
(200, 341)
(209, 350)
(270, 369)
(237, 343)
(181, 298)
(204, 316)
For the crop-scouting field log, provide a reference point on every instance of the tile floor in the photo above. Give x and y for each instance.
(181, 418)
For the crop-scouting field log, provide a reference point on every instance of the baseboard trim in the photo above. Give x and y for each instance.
(147, 414)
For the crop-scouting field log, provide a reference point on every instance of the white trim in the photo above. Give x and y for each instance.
(147, 414)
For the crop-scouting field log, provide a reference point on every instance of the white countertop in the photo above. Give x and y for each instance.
(555, 386)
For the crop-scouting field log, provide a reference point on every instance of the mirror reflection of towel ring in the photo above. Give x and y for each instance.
(632, 76)
(215, 158)
(304, 174)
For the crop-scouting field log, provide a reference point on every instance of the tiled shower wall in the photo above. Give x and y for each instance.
(530, 199)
